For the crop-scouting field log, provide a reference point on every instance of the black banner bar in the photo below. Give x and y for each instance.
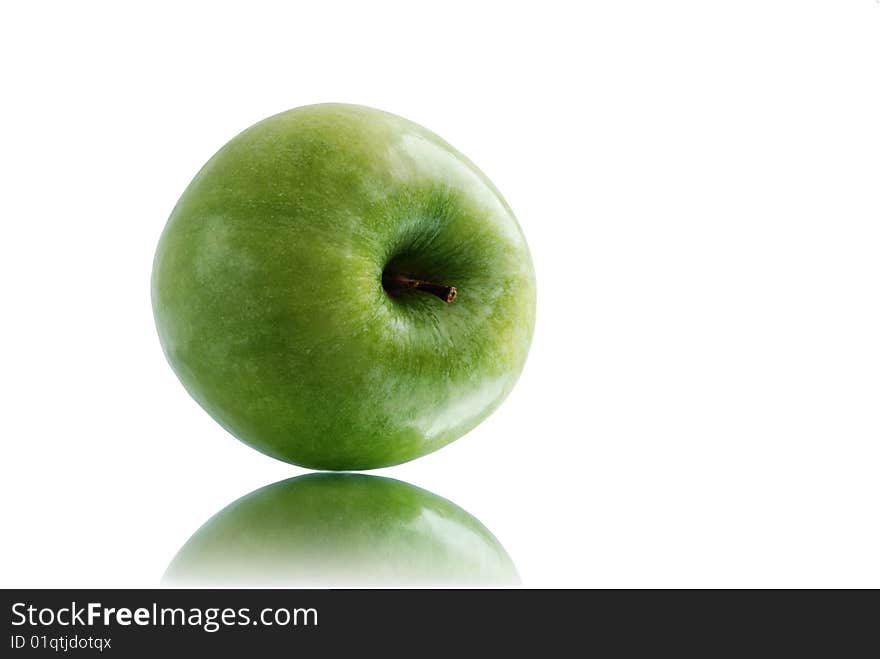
(145, 623)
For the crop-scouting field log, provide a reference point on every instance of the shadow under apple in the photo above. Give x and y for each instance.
(332, 529)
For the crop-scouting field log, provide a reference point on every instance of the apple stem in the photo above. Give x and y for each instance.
(402, 283)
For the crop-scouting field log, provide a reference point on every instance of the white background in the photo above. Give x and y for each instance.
(699, 183)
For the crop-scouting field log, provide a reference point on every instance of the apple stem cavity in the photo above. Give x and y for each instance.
(396, 284)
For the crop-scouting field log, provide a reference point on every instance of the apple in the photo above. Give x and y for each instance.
(341, 529)
(341, 289)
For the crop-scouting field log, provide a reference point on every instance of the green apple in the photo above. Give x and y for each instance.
(340, 288)
(346, 529)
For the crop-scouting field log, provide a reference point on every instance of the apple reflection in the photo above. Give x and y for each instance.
(342, 530)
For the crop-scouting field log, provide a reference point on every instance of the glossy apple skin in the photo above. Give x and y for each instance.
(342, 529)
(268, 297)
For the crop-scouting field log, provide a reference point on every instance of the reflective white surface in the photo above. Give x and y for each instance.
(699, 185)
